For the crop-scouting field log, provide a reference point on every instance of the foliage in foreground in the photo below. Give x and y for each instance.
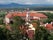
(15, 33)
(42, 34)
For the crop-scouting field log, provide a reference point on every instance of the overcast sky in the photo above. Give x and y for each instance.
(27, 1)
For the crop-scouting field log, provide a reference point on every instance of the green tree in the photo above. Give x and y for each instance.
(47, 21)
(49, 15)
(15, 34)
(41, 34)
(17, 22)
(51, 36)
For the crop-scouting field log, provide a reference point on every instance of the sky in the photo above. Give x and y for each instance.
(27, 1)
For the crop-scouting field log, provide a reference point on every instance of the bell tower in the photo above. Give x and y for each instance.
(27, 15)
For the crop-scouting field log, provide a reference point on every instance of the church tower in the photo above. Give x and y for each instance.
(27, 15)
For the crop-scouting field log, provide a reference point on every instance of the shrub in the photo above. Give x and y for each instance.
(41, 34)
(1, 21)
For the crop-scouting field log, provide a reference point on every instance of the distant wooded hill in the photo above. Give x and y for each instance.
(24, 6)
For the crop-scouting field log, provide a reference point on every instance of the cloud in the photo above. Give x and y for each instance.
(50, 1)
(5, 1)
(27, 1)
(30, 1)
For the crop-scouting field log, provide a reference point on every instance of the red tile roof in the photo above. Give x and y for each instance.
(49, 26)
(9, 15)
(38, 15)
(24, 14)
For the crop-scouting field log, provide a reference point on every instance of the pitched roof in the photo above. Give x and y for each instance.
(9, 15)
(49, 26)
(31, 14)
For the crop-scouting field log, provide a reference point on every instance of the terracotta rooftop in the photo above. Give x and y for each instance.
(9, 15)
(49, 26)
(24, 14)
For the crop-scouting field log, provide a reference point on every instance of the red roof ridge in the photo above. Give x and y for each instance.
(31, 14)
